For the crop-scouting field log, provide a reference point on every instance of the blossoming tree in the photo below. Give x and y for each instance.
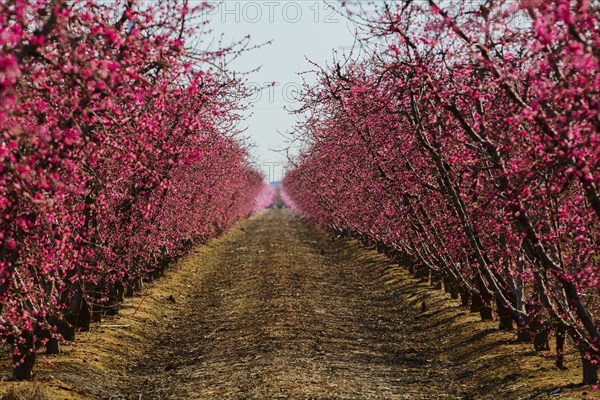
(466, 144)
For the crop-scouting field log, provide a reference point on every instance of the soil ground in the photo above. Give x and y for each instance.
(277, 308)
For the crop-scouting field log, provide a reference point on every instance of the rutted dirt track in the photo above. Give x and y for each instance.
(277, 308)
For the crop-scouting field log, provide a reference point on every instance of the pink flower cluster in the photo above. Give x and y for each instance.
(265, 198)
(465, 144)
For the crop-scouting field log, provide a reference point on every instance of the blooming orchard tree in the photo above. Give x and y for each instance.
(466, 144)
(117, 155)
(265, 197)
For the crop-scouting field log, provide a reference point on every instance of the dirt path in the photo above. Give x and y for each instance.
(283, 314)
(277, 308)
(284, 311)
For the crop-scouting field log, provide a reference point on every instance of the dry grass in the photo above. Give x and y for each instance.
(26, 392)
(278, 309)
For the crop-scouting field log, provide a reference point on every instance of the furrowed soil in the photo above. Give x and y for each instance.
(279, 309)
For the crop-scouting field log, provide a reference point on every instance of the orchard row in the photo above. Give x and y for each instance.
(465, 144)
(117, 156)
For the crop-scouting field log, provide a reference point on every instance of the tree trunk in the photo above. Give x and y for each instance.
(157, 273)
(523, 334)
(436, 280)
(454, 293)
(465, 297)
(541, 340)
(590, 371)
(486, 313)
(479, 305)
(560, 346)
(422, 273)
(450, 287)
(506, 319)
(85, 317)
(53, 344)
(96, 308)
(118, 292)
(538, 330)
(476, 303)
(68, 326)
(24, 361)
(411, 267)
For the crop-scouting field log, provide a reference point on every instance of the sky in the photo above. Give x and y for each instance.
(300, 31)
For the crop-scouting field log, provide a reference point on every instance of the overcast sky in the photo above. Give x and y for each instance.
(300, 30)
